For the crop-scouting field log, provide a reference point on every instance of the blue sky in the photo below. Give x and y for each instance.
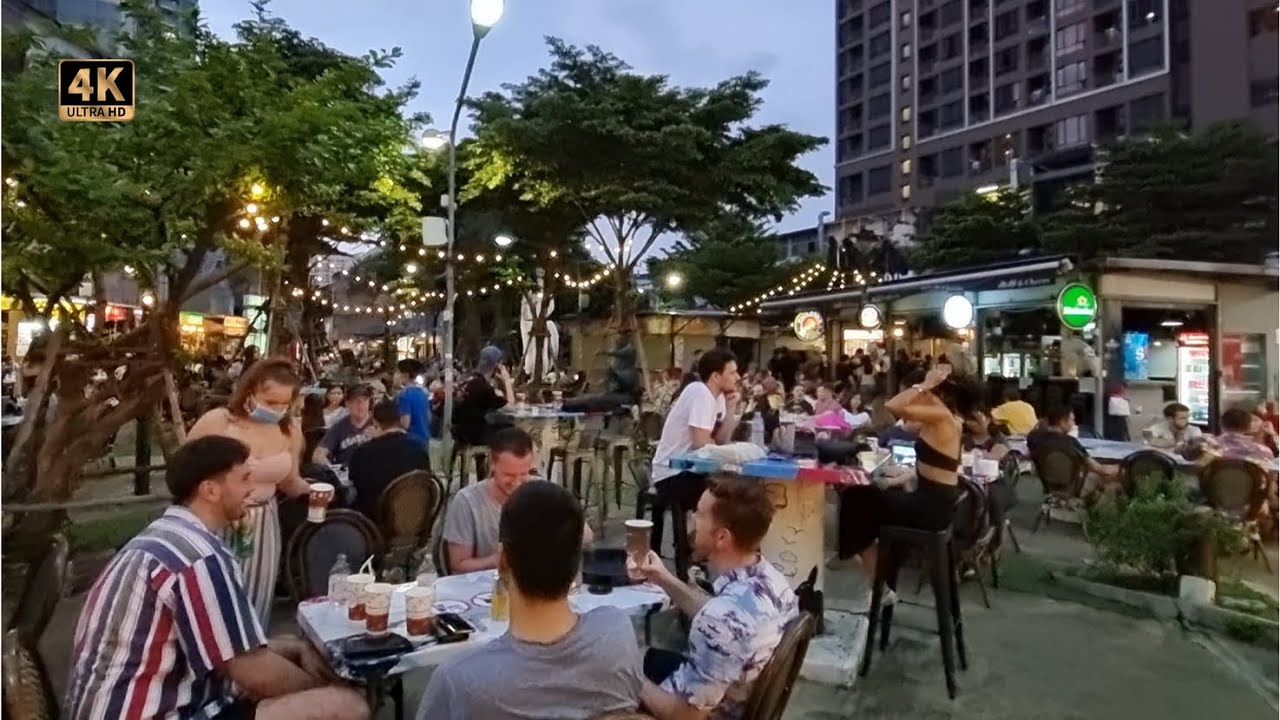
(695, 42)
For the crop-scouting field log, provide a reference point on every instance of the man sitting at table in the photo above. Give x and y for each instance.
(697, 418)
(390, 454)
(470, 529)
(733, 633)
(348, 432)
(1175, 432)
(1016, 414)
(1055, 434)
(168, 631)
(551, 662)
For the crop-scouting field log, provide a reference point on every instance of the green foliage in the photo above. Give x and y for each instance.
(634, 156)
(1209, 196)
(730, 259)
(976, 229)
(1151, 531)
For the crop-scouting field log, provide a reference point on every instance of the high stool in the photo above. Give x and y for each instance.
(658, 506)
(570, 459)
(619, 458)
(477, 454)
(940, 563)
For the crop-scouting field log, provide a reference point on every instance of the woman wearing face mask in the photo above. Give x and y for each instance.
(258, 415)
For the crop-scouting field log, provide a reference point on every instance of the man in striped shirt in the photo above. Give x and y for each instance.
(167, 630)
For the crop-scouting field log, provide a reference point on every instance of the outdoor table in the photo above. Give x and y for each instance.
(324, 623)
(1115, 451)
(795, 541)
(542, 422)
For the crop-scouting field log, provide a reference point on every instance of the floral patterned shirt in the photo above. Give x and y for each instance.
(1231, 445)
(731, 639)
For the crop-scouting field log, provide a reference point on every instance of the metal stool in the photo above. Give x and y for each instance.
(479, 457)
(940, 563)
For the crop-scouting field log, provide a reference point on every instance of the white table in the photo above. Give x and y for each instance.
(323, 622)
(1115, 451)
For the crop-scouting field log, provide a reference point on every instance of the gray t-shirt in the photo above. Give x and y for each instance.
(594, 669)
(472, 519)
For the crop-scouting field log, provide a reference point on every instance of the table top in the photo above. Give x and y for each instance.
(324, 622)
(774, 466)
(1114, 451)
(540, 412)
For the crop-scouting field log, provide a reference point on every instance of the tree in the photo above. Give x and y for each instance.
(726, 262)
(635, 156)
(229, 146)
(976, 229)
(1205, 196)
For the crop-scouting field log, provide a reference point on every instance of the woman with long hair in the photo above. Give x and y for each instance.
(258, 415)
(935, 408)
(332, 408)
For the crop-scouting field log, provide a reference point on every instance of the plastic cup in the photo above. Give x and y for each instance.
(638, 532)
(318, 504)
(356, 585)
(377, 607)
(418, 611)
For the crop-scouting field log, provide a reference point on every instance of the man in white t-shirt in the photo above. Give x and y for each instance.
(698, 417)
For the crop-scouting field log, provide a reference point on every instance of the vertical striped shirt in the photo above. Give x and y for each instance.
(165, 615)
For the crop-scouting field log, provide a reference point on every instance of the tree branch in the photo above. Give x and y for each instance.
(198, 286)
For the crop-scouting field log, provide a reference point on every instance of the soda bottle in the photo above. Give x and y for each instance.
(338, 580)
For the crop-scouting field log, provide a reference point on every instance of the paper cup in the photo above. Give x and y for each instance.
(318, 503)
(638, 532)
(418, 610)
(377, 607)
(355, 595)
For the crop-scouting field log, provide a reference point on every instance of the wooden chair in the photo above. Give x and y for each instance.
(1238, 489)
(314, 548)
(1062, 475)
(1010, 474)
(27, 691)
(772, 688)
(440, 556)
(972, 536)
(1145, 464)
(407, 512)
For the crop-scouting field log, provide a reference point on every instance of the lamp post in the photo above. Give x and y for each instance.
(484, 15)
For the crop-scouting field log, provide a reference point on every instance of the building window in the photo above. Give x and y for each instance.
(952, 115)
(878, 106)
(950, 13)
(906, 82)
(850, 189)
(878, 75)
(1006, 24)
(1263, 92)
(951, 162)
(1071, 38)
(879, 45)
(878, 15)
(906, 114)
(906, 51)
(1263, 20)
(906, 166)
(951, 80)
(904, 20)
(906, 192)
(878, 137)
(1072, 131)
(906, 142)
(1067, 7)
(1071, 78)
(878, 180)
(1146, 56)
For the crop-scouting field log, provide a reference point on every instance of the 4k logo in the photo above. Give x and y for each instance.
(96, 90)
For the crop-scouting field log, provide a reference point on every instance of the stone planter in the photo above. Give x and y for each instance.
(1237, 625)
(1159, 606)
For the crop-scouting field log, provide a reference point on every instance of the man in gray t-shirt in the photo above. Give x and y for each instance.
(470, 530)
(552, 662)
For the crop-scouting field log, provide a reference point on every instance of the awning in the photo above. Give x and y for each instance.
(996, 276)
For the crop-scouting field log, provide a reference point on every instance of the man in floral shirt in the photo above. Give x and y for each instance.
(735, 631)
(1237, 441)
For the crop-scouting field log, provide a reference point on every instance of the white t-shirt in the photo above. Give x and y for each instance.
(695, 408)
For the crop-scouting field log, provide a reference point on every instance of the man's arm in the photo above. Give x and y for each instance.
(665, 706)
(684, 596)
(264, 674)
(462, 559)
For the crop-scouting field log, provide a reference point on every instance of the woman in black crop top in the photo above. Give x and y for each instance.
(936, 406)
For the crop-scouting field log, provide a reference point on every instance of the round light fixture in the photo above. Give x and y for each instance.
(487, 13)
(504, 241)
(869, 317)
(957, 312)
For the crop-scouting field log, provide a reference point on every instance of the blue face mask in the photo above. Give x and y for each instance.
(266, 415)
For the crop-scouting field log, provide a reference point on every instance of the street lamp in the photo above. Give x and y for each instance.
(503, 240)
(674, 280)
(434, 140)
(484, 15)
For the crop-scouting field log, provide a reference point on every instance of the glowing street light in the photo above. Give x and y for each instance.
(674, 280)
(504, 241)
(411, 268)
(485, 14)
(434, 140)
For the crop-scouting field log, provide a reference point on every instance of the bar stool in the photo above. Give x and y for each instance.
(569, 459)
(479, 457)
(940, 563)
(650, 499)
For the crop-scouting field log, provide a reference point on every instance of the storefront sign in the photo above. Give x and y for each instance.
(191, 322)
(808, 326)
(114, 313)
(235, 326)
(957, 312)
(1077, 306)
(869, 316)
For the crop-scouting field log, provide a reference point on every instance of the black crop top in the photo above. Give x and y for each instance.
(929, 455)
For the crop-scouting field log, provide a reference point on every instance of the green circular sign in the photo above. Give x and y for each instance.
(1077, 306)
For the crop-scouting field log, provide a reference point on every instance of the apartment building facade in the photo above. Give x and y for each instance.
(939, 97)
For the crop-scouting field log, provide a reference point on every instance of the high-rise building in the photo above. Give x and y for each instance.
(939, 97)
(104, 16)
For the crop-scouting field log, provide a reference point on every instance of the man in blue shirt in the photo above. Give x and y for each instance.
(414, 403)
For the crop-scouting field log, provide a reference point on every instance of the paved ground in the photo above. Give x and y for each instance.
(1030, 657)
